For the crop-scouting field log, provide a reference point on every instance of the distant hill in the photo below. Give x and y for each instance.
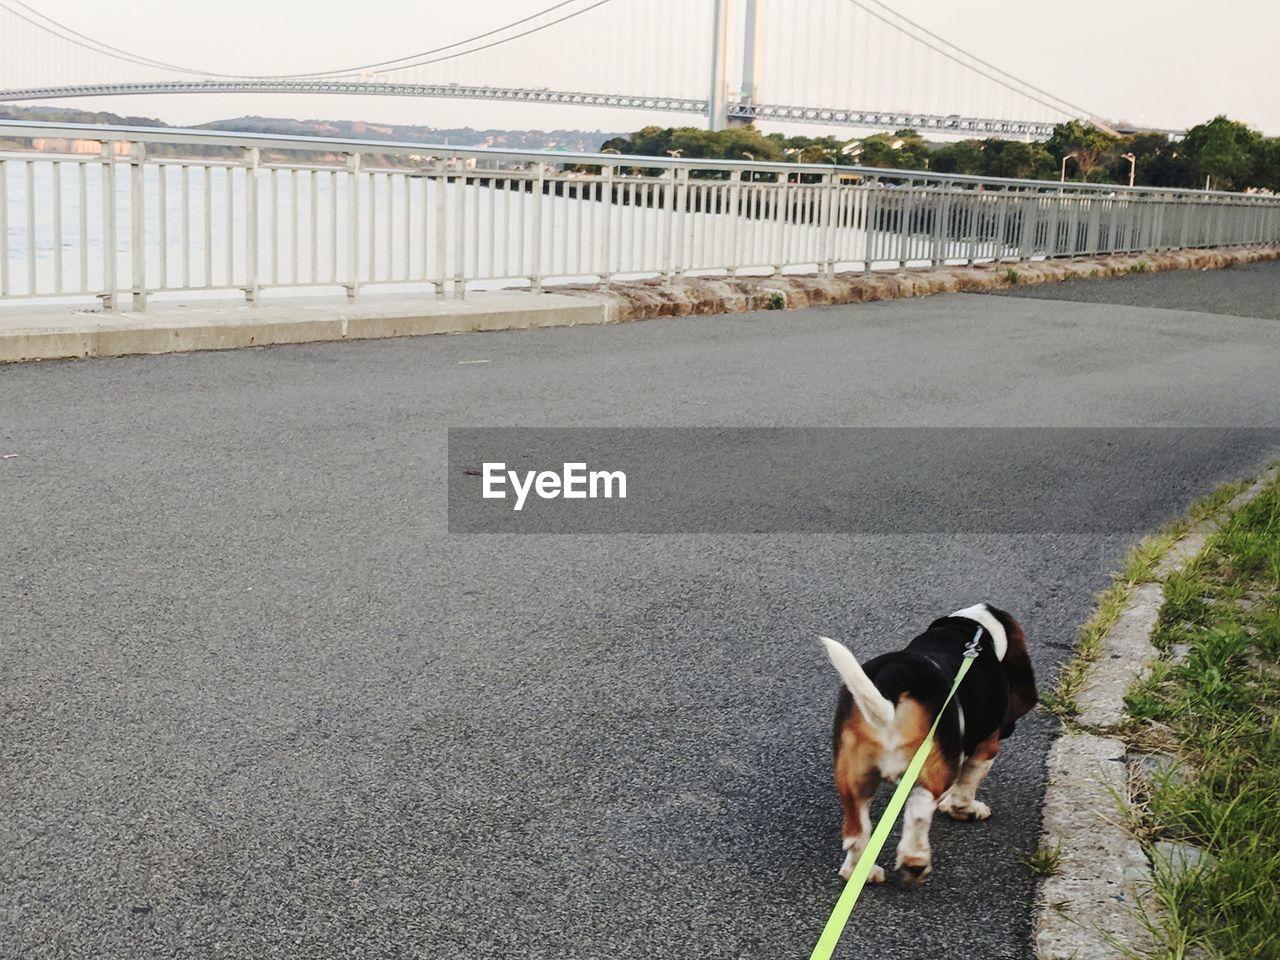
(9, 111)
(573, 140)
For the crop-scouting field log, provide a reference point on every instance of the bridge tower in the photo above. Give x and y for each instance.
(753, 39)
(753, 35)
(718, 101)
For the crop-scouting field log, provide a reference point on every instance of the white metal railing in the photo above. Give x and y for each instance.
(143, 213)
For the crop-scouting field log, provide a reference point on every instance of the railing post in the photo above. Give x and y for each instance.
(908, 212)
(460, 231)
(606, 244)
(970, 205)
(1051, 248)
(138, 226)
(937, 206)
(781, 200)
(109, 277)
(1091, 236)
(251, 284)
(353, 226)
(680, 219)
(535, 265)
(440, 177)
(869, 227)
(4, 230)
(733, 223)
(1028, 215)
(1002, 225)
(825, 221)
(668, 214)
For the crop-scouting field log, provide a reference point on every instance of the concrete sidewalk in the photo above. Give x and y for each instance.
(56, 332)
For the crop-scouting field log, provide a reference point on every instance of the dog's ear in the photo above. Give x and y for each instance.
(1017, 671)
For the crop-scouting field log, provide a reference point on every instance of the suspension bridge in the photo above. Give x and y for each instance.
(844, 63)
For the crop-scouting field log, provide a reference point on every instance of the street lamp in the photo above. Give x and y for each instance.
(1133, 165)
(1069, 156)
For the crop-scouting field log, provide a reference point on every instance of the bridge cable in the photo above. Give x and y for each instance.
(463, 53)
(117, 53)
(459, 43)
(96, 46)
(1054, 103)
(986, 63)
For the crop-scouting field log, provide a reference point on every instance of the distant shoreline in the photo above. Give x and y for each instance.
(577, 141)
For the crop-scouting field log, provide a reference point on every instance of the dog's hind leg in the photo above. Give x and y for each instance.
(915, 857)
(960, 802)
(855, 795)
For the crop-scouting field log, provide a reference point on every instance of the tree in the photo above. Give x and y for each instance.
(1269, 164)
(902, 150)
(1158, 161)
(964, 157)
(736, 143)
(1230, 153)
(1021, 161)
(1227, 152)
(810, 149)
(1087, 144)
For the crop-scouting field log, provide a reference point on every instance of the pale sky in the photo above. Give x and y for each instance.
(1164, 63)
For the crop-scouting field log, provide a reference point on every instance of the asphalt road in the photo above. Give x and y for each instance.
(256, 701)
(1243, 291)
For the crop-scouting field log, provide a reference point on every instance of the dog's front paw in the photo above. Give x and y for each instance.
(912, 871)
(971, 810)
(846, 870)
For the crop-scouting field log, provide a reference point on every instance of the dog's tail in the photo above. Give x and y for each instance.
(875, 706)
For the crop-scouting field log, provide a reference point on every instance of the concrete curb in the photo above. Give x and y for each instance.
(51, 334)
(695, 296)
(1091, 908)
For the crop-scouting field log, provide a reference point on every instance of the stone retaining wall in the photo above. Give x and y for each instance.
(646, 299)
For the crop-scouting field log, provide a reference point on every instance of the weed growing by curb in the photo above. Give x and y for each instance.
(1140, 566)
(1217, 711)
(1043, 861)
(1012, 277)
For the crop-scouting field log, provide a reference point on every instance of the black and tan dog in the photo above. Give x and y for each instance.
(886, 709)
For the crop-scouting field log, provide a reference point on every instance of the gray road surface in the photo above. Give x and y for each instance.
(257, 702)
(1250, 290)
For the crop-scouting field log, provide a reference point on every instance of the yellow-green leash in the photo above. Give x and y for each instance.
(862, 869)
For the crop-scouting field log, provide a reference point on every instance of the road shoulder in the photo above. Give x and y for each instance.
(1108, 891)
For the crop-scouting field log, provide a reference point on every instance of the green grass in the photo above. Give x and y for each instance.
(1140, 267)
(1140, 566)
(1043, 861)
(1012, 277)
(1218, 712)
